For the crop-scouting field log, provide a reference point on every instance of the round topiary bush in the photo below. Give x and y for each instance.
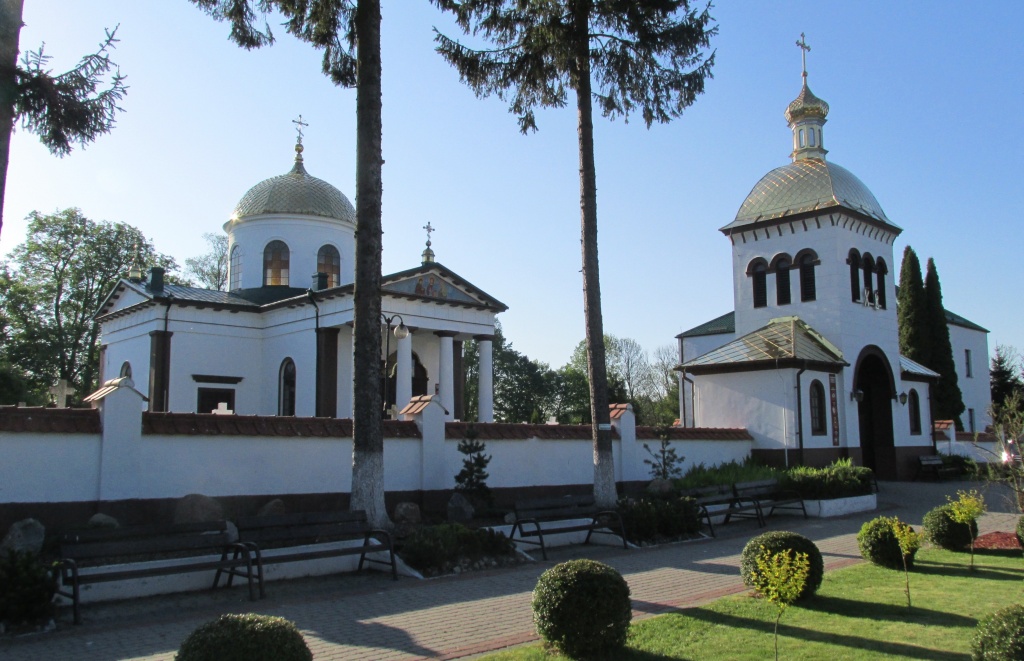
(879, 546)
(27, 586)
(582, 608)
(940, 529)
(775, 542)
(248, 637)
(1000, 636)
(1020, 530)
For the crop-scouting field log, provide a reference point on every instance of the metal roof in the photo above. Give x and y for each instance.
(717, 326)
(296, 192)
(783, 339)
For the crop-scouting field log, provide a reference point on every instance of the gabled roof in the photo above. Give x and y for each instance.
(909, 370)
(403, 284)
(784, 342)
(717, 326)
(956, 320)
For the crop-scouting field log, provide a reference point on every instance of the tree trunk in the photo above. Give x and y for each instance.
(10, 28)
(604, 469)
(367, 435)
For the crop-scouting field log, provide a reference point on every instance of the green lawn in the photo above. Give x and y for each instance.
(859, 613)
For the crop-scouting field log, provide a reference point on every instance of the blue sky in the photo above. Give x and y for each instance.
(926, 109)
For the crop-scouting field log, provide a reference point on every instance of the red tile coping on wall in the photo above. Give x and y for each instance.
(943, 425)
(693, 434)
(514, 431)
(617, 410)
(37, 419)
(209, 424)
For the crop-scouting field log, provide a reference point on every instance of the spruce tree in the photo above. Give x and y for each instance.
(1004, 378)
(642, 56)
(949, 402)
(910, 310)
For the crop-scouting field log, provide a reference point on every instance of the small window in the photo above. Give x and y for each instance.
(760, 283)
(970, 420)
(808, 287)
(817, 394)
(810, 136)
(854, 262)
(868, 265)
(967, 364)
(914, 406)
(802, 138)
(212, 399)
(286, 388)
(880, 271)
(126, 369)
(275, 263)
(782, 288)
(235, 268)
(329, 261)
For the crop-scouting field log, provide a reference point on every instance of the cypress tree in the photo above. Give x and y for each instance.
(910, 310)
(949, 402)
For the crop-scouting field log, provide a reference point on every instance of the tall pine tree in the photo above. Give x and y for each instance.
(1004, 376)
(910, 310)
(949, 402)
(642, 56)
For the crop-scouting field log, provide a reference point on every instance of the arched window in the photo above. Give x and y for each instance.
(235, 268)
(782, 288)
(914, 409)
(868, 264)
(329, 261)
(854, 262)
(880, 271)
(808, 287)
(817, 394)
(126, 369)
(275, 263)
(286, 388)
(758, 272)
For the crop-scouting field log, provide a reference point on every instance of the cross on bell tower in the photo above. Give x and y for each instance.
(804, 50)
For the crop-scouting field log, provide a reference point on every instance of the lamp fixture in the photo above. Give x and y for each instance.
(857, 396)
(903, 398)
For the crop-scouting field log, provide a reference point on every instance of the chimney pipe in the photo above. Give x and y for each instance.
(156, 279)
(319, 281)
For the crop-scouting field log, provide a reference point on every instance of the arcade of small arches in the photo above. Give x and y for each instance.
(276, 265)
(874, 270)
(780, 266)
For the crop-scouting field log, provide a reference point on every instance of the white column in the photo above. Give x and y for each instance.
(485, 388)
(444, 378)
(403, 378)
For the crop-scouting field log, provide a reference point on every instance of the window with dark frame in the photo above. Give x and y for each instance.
(760, 284)
(967, 364)
(286, 388)
(783, 294)
(880, 271)
(914, 409)
(854, 262)
(275, 263)
(817, 396)
(328, 261)
(808, 287)
(235, 268)
(210, 399)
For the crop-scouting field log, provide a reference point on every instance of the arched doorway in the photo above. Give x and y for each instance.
(419, 378)
(873, 386)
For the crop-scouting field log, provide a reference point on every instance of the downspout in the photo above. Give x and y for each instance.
(785, 418)
(800, 417)
(316, 344)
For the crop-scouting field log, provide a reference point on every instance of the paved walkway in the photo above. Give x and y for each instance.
(371, 617)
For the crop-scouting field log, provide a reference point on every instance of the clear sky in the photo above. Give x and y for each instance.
(926, 109)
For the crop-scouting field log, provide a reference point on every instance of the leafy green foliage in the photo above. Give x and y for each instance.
(27, 586)
(582, 608)
(946, 396)
(841, 479)
(965, 510)
(909, 541)
(729, 472)
(1000, 636)
(246, 637)
(879, 543)
(782, 578)
(210, 270)
(524, 389)
(941, 529)
(472, 479)
(653, 520)
(664, 463)
(437, 548)
(1020, 530)
(776, 542)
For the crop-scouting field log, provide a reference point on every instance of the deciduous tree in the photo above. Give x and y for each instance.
(76, 106)
(645, 56)
(210, 270)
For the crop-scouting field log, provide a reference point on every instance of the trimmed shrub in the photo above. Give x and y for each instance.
(879, 546)
(651, 520)
(27, 586)
(434, 548)
(582, 608)
(773, 543)
(1020, 530)
(248, 637)
(940, 529)
(839, 480)
(1000, 636)
(730, 472)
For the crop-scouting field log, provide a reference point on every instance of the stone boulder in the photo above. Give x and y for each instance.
(659, 487)
(408, 513)
(103, 521)
(196, 507)
(24, 535)
(460, 510)
(274, 507)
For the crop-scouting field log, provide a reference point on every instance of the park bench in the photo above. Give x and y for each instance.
(119, 554)
(760, 499)
(934, 465)
(562, 515)
(321, 534)
(715, 494)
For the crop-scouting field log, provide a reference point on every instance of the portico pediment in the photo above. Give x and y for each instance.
(434, 282)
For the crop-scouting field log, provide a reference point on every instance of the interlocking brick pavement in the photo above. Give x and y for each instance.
(370, 617)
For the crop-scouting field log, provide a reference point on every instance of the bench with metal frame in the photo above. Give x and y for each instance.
(933, 464)
(563, 515)
(763, 498)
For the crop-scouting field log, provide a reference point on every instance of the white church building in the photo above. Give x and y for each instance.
(808, 362)
(279, 341)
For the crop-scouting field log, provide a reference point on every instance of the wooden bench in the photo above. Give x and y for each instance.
(933, 464)
(328, 531)
(716, 494)
(563, 515)
(762, 498)
(104, 553)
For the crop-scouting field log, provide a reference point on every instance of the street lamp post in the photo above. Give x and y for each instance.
(401, 332)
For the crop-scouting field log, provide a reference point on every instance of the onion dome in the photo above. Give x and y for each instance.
(296, 192)
(806, 105)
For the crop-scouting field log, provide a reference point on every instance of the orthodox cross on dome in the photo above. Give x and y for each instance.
(299, 125)
(804, 49)
(428, 254)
